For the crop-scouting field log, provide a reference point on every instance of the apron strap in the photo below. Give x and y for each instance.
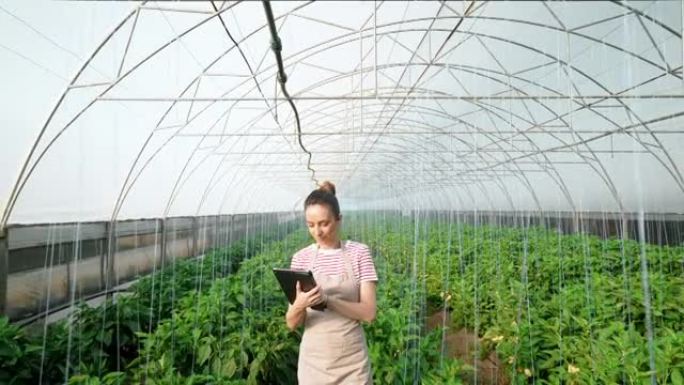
(347, 261)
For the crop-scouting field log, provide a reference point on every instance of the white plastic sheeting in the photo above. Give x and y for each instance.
(126, 110)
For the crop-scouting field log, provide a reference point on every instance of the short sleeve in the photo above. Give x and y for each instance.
(299, 260)
(366, 267)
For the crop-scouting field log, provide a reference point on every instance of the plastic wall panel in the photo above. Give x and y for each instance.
(38, 235)
(135, 262)
(85, 276)
(31, 291)
(51, 264)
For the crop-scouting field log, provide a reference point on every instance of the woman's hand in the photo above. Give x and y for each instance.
(309, 298)
(296, 313)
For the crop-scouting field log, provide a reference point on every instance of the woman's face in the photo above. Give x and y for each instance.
(322, 224)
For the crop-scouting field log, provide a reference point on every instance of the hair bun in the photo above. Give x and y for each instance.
(328, 187)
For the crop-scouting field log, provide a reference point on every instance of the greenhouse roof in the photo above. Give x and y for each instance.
(115, 110)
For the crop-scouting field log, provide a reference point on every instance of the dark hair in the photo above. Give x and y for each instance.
(324, 195)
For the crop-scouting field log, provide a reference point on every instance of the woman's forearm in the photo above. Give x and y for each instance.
(295, 316)
(361, 311)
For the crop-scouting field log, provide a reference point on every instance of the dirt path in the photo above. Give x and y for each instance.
(462, 344)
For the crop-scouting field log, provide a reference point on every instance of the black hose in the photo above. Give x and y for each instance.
(277, 47)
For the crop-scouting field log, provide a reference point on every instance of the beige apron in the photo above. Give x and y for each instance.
(333, 349)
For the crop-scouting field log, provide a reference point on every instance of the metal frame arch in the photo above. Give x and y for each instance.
(556, 59)
(672, 168)
(607, 177)
(126, 187)
(413, 141)
(416, 142)
(610, 185)
(255, 118)
(354, 37)
(23, 174)
(397, 178)
(486, 134)
(21, 182)
(525, 183)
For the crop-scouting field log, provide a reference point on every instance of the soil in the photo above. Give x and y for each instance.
(461, 344)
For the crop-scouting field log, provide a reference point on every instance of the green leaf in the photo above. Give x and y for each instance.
(676, 377)
(204, 353)
(229, 367)
(196, 333)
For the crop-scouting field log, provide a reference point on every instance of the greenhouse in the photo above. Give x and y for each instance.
(510, 180)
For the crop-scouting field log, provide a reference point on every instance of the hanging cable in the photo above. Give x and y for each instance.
(277, 46)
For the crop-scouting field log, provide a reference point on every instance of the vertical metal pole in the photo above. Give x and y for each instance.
(4, 262)
(216, 241)
(246, 227)
(67, 270)
(110, 279)
(195, 230)
(375, 44)
(162, 238)
(361, 79)
(229, 230)
(104, 256)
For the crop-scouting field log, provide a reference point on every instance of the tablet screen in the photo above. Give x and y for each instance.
(288, 280)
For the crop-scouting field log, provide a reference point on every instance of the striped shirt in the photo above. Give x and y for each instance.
(331, 261)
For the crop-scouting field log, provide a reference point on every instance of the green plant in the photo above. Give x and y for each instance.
(556, 309)
(113, 378)
(17, 355)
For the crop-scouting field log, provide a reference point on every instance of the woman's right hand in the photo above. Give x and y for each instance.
(309, 298)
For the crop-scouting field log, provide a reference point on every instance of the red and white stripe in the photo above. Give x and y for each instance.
(331, 261)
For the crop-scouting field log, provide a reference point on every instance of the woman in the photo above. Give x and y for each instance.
(333, 348)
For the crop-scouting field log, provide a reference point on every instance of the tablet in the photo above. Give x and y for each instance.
(288, 280)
